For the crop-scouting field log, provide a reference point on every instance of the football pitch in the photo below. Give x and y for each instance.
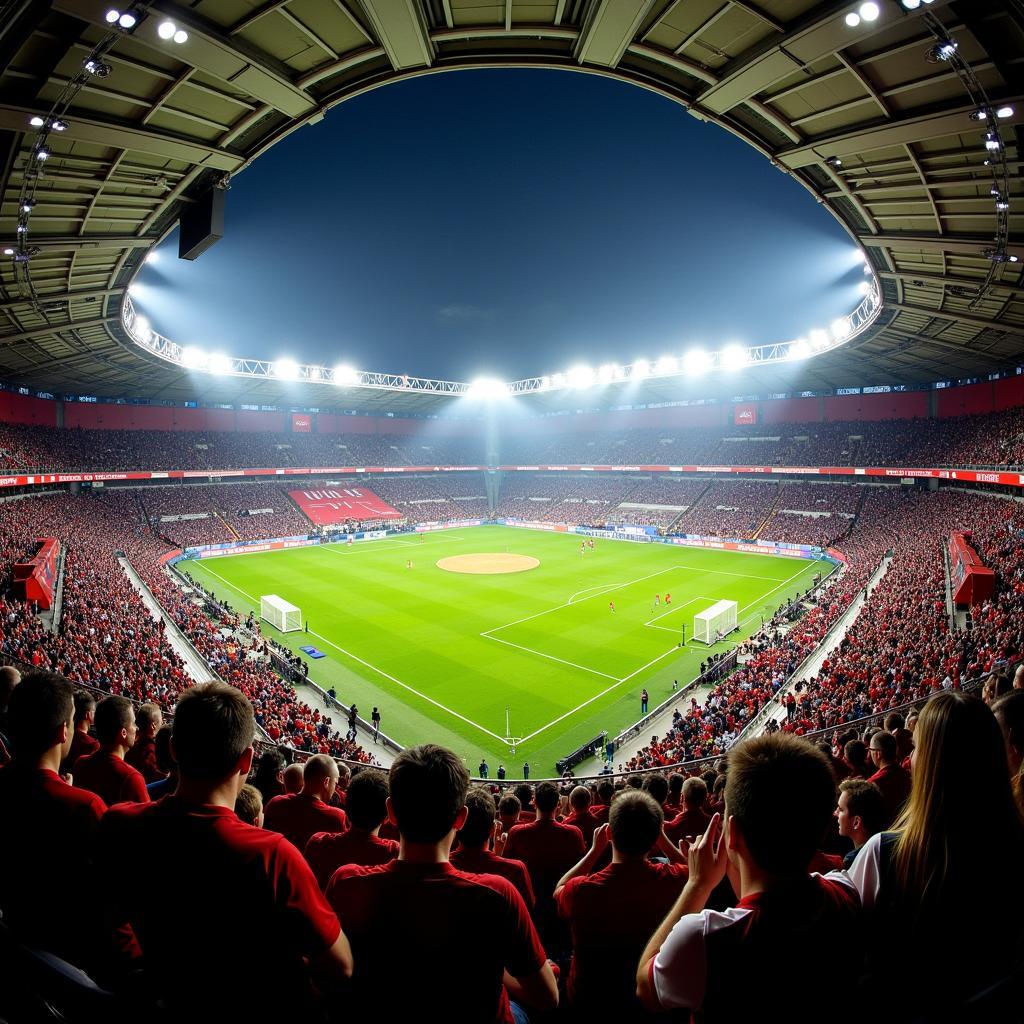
(452, 658)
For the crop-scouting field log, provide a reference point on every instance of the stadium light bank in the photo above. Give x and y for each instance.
(691, 363)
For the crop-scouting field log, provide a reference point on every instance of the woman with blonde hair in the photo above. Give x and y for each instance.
(943, 889)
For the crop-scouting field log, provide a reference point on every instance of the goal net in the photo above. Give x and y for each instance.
(280, 614)
(715, 622)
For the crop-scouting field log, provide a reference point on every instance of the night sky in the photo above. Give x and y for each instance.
(507, 223)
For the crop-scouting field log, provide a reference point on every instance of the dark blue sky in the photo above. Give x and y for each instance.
(508, 223)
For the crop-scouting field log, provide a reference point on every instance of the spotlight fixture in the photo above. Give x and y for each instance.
(285, 369)
(194, 358)
(911, 5)
(666, 365)
(127, 21)
(841, 328)
(869, 11)
(981, 114)
(999, 255)
(818, 338)
(8, 251)
(864, 287)
(42, 154)
(345, 375)
(26, 207)
(944, 49)
(799, 349)
(151, 257)
(181, 36)
(36, 121)
(96, 67)
(834, 161)
(59, 126)
(853, 19)
(22, 228)
(169, 30)
(733, 357)
(697, 361)
(991, 141)
(641, 370)
(1005, 112)
(487, 387)
(1002, 204)
(581, 377)
(112, 16)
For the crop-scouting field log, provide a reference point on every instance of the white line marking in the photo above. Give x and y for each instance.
(381, 672)
(551, 657)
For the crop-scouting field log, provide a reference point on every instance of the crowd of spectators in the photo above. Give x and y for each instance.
(732, 508)
(434, 498)
(108, 639)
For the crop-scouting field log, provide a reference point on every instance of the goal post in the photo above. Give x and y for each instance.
(280, 614)
(720, 618)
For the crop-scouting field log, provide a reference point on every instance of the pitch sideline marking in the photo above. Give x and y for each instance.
(380, 672)
(551, 657)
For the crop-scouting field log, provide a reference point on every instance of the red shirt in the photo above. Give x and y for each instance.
(483, 862)
(425, 930)
(687, 823)
(143, 758)
(586, 821)
(894, 782)
(613, 914)
(107, 776)
(299, 817)
(200, 888)
(49, 826)
(328, 851)
(81, 744)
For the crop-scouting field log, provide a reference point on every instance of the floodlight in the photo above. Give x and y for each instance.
(59, 126)
(581, 377)
(799, 349)
(194, 358)
(42, 154)
(818, 338)
(127, 21)
(697, 361)
(487, 388)
(8, 251)
(345, 375)
(112, 16)
(841, 328)
(1004, 112)
(219, 363)
(558, 380)
(834, 161)
(911, 5)
(166, 30)
(545, 383)
(733, 357)
(666, 365)
(22, 228)
(134, 289)
(97, 68)
(641, 369)
(285, 369)
(869, 11)
(36, 121)
(151, 257)
(141, 325)
(1002, 204)
(181, 36)
(607, 372)
(864, 287)
(853, 19)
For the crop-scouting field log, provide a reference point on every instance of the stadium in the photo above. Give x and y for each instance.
(673, 674)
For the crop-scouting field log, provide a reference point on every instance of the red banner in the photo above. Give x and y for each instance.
(302, 423)
(744, 415)
(339, 504)
(972, 581)
(37, 577)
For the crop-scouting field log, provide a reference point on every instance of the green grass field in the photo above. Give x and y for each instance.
(444, 654)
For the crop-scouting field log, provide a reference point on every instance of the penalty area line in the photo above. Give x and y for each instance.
(550, 657)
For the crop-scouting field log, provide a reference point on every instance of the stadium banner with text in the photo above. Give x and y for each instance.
(744, 414)
(328, 505)
(525, 524)
(454, 525)
(246, 547)
(302, 423)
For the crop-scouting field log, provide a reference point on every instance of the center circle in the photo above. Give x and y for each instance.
(488, 564)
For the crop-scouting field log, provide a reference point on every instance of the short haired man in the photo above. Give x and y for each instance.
(855, 754)
(692, 820)
(366, 807)
(548, 849)
(81, 743)
(473, 856)
(222, 883)
(249, 806)
(105, 771)
(299, 816)
(612, 912)
(524, 792)
(291, 778)
(149, 720)
(890, 776)
(581, 815)
(421, 928)
(165, 762)
(340, 797)
(508, 811)
(779, 800)
(47, 823)
(860, 813)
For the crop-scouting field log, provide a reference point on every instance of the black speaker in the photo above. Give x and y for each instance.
(202, 224)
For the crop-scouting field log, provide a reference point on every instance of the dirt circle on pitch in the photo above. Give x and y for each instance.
(488, 564)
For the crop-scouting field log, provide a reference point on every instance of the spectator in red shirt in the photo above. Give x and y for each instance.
(860, 813)
(299, 816)
(223, 883)
(692, 820)
(473, 855)
(548, 849)
(81, 743)
(580, 800)
(291, 778)
(612, 912)
(675, 793)
(524, 791)
(855, 754)
(268, 777)
(340, 797)
(149, 721)
(367, 807)
(105, 772)
(890, 776)
(508, 811)
(779, 800)
(904, 737)
(47, 822)
(421, 929)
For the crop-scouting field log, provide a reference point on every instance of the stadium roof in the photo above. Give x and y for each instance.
(875, 119)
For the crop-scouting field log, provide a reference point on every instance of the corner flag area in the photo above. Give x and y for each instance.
(444, 654)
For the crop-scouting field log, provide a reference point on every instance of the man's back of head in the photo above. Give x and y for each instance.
(291, 778)
(885, 745)
(695, 793)
(525, 794)
(9, 678)
(428, 786)
(479, 819)
(367, 803)
(40, 706)
(85, 706)
(657, 786)
(148, 719)
(546, 798)
(213, 727)
(319, 776)
(781, 793)
(636, 820)
(580, 798)
(115, 720)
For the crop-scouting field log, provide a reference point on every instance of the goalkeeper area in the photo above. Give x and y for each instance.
(276, 611)
(444, 653)
(715, 623)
